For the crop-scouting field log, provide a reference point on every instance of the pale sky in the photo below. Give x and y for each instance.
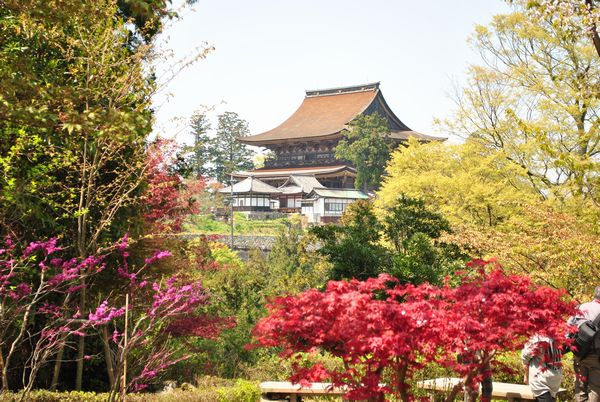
(268, 52)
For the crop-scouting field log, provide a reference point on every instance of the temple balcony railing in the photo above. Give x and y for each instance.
(289, 210)
(283, 163)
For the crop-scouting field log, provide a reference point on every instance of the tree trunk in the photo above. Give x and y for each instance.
(110, 365)
(4, 376)
(81, 341)
(593, 28)
(57, 367)
(461, 385)
(401, 380)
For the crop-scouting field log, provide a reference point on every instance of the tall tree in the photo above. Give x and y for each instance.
(74, 114)
(535, 99)
(367, 145)
(225, 153)
(196, 157)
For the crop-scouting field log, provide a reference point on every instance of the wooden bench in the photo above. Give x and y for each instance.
(501, 390)
(280, 390)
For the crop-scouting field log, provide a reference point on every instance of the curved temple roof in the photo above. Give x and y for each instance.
(324, 113)
(250, 185)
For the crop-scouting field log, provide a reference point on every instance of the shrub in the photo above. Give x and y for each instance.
(50, 396)
(242, 391)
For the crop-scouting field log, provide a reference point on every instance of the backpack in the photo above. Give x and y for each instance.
(583, 340)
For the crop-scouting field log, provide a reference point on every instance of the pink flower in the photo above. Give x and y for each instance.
(158, 255)
(50, 309)
(23, 289)
(48, 247)
(104, 314)
(123, 244)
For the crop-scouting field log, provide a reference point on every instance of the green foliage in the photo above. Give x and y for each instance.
(51, 396)
(224, 153)
(209, 389)
(465, 183)
(554, 247)
(357, 247)
(291, 267)
(195, 156)
(237, 291)
(240, 289)
(217, 155)
(207, 224)
(147, 15)
(367, 145)
(74, 111)
(414, 230)
(418, 263)
(353, 248)
(535, 99)
(225, 256)
(409, 216)
(243, 391)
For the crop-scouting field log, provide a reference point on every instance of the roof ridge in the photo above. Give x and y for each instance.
(342, 90)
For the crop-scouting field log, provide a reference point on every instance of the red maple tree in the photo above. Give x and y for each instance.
(169, 198)
(380, 326)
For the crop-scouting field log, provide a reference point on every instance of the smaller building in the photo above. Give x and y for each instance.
(294, 190)
(252, 194)
(324, 205)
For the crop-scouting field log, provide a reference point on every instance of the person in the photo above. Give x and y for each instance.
(542, 365)
(587, 368)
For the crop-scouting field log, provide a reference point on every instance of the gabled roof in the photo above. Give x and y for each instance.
(251, 185)
(291, 189)
(347, 193)
(305, 182)
(326, 112)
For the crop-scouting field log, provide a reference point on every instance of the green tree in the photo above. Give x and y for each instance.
(404, 240)
(195, 159)
(225, 154)
(535, 99)
(292, 268)
(353, 248)
(241, 289)
(554, 247)
(74, 115)
(464, 182)
(415, 232)
(366, 144)
(147, 16)
(409, 216)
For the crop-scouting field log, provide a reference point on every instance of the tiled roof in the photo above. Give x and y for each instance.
(324, 113)
(348, 193)
(290, 189)
(304, 181)
(251, 185)
(318, 116)
(300, 183)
